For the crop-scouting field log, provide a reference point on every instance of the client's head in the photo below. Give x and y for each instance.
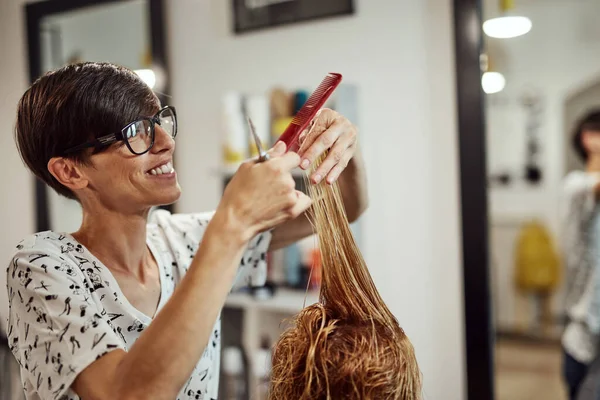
(324, 358)
(95, 132)
(349, 346)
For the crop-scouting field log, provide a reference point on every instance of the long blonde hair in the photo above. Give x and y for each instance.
(348, 345)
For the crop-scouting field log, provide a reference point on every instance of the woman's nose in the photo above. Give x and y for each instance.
(162, 140)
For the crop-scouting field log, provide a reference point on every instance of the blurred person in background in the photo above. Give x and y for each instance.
(581, 246)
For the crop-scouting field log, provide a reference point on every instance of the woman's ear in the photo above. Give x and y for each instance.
(68, 173)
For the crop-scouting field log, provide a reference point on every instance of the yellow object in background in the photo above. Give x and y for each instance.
(506, 5)
(146, 58)
(231, 156)
(254, 151)
(234, 129)
(278, 126)
(537, 263)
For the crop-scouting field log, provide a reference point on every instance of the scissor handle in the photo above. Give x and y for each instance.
(264, 157)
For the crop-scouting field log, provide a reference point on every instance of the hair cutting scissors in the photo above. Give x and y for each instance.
(262, 154)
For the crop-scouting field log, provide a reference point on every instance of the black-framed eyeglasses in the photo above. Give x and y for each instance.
(137, 135)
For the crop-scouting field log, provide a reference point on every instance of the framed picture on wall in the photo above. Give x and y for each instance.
(251, 15)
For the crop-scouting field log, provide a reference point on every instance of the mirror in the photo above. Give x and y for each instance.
(82, 35)
(538, 85)
(66, 32)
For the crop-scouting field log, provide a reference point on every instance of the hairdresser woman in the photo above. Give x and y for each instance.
(126, 307)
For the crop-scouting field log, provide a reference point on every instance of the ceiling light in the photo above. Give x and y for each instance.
(492, 82)
(148, 76)
(507, 27)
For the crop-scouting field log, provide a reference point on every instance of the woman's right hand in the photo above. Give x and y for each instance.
(263, 195)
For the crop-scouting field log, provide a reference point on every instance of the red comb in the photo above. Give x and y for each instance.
(309, 110)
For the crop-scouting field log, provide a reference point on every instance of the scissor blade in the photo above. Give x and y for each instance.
(255, 136)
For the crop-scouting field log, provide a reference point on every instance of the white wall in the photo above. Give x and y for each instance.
(558, 56)
(16, 203)
(400, 56)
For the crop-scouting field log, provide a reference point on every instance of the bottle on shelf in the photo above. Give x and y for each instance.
(262, 368)
(282, 111)
(310, 261)
(315, 264)
(234, 376)
(235, 134)
(293, 266)
(258, 109)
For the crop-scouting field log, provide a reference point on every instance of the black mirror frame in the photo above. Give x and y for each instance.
(479, 333)
(34, 12)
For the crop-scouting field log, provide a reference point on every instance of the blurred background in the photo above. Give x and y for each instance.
(541, 75)
(218, 61)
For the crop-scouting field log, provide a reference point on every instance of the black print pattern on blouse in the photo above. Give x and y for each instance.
(66, 309)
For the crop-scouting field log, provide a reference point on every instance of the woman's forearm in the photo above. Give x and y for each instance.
(165, 355)
(353, 187)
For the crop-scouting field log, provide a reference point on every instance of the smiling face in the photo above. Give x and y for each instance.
(125, 182)
(82, 104)
(79, 104)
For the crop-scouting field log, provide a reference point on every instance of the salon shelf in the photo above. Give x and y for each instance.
(248, 320)
(285, 301)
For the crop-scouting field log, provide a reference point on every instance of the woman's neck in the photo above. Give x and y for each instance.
(593, 163)
(117, 239)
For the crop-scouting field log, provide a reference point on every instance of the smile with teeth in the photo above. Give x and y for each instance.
(163, 169)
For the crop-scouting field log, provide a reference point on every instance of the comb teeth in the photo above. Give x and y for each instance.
(306, 111)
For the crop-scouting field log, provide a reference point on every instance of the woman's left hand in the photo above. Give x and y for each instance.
(331, 131)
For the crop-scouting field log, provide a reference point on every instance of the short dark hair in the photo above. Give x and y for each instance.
(75, 104)
(589, 122)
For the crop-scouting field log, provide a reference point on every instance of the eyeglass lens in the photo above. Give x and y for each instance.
(139, 134)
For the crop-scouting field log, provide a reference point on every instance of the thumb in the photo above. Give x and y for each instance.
(278, 149)
(304, 202)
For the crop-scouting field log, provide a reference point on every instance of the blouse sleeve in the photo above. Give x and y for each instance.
(54, 329)
(184, 232)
